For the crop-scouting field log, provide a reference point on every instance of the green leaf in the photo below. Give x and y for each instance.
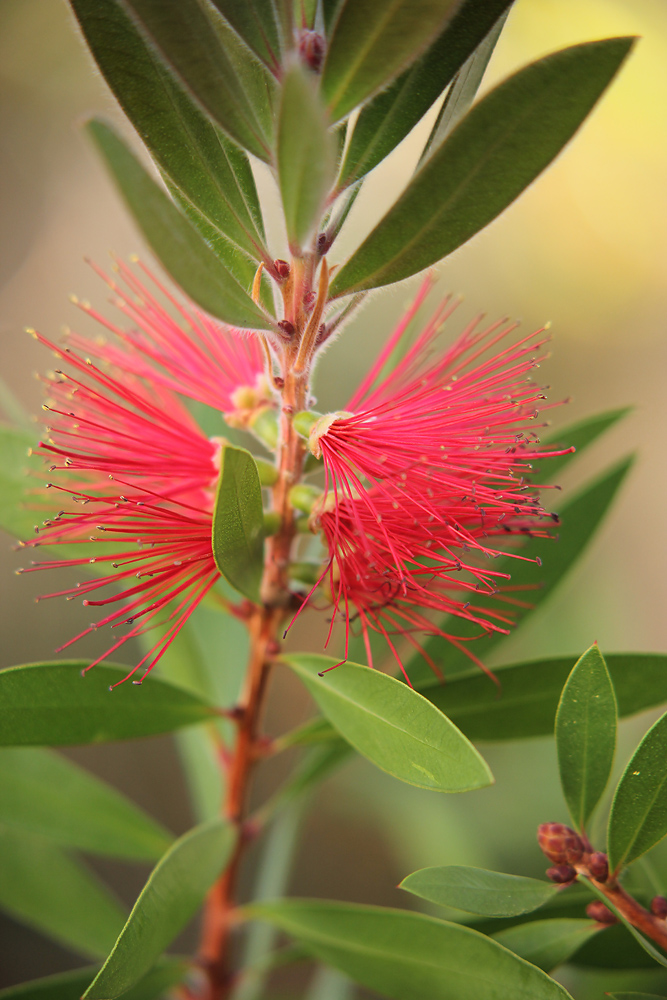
(45, 793)
(16, 517)
(41, 886)
(70, 985)
(238, 522)
(388, 118)
(579, 435)
(167, 902)
(634, 996)
(648, 946)
(638, 817)
(408, 956)
(548, 943)
(187, 43)
(495, 152)
(586, 735)
(172, 238)
(372, 43)
(492, 894)
(306, 154)
(394, 726)
(260, 26)
(51, 704)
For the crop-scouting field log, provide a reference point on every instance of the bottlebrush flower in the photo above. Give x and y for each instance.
(424, 469)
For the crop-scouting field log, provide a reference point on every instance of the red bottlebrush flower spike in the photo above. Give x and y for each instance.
(424, 468)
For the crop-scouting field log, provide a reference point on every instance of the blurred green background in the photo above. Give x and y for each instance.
(585, 248)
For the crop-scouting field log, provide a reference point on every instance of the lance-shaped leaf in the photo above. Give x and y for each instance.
(186, 41)
(238, 522)
(394, 726)
(638, 817)
(45, 888)
(548, 943)
(306, 153)
(70, 985)
(495, 152)
(174, 891)
(385, 120)
(586, 735)
(490, 894)
(45, 793)
(579, 436)
(371, 43)
(264, 27)
(51, 704)
(173, 239)
(408, 956)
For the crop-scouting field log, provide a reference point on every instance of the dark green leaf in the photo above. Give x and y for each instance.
(200, 59)
(306, 154)
(238, 522)
(259, 25)
(169, 899)
(586, 735)
(51, 704)
(495, 152)
(648, 946)
(173, 239)
(47, 794)
(548, 943)
(492, 894)
(579, 436)
(43, 887)
(408, 956)
(392, 725)
(388, 118)
(638, 817)
(372, 43)
(70, 985)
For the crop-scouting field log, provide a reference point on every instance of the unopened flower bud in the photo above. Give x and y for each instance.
(659, 907)
(598, 866)
(562, 874)
(282, 268)
(560, 843)
(312, 48)
(600, 913)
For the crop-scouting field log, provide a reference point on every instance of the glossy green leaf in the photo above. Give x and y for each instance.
(548, 943)
(238, 522)
(42, 886)
(586, 734)
(495, 152)
(491, 894)
(395, 727)
(260, 26)
(638, 817)
(648, 946)
(51, 704)
(372, 43)
(578, 435)
(306, 153)
(70, 985)
(408, 956)
(388, 118)
(45, 793)
(185, 39)
(173, 239)
(170, 898)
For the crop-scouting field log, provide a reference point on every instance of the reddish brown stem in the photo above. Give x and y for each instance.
(653, 927)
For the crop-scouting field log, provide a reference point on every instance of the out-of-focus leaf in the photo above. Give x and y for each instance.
(187, 43)
(372, 43)
(70, 985)
(385, 120)
(15, 516)
(43, 887)
(260, 26)
(579, 436)
(306, 153)
(495, 152)
(238, 522)
(648, 946)
(316, 765)
(392, 725)
(51, 704)
(586, 734)
(169, 899)
(408, 956)
(173, 239)
(47, 794)
(548, 943)
(638, 817)
(491, 894)
(634, 996)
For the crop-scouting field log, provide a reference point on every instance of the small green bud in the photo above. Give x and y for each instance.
(303, 496)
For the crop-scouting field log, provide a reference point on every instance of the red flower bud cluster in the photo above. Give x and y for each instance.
(562, 874)
(600, 913)
(560, 843)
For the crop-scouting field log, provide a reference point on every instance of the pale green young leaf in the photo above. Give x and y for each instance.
(238, 522)
(167, 972)
(548, 943)
(475, 890)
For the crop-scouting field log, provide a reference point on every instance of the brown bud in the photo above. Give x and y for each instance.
(287, 328)
(312, 48)
(600, 913)
(282, 268)
(598, 866)
(560, 843)
(562, 874)
(659, 907)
